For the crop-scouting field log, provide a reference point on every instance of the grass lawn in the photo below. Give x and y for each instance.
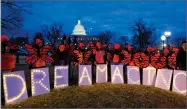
(105, 95)
(99, 95)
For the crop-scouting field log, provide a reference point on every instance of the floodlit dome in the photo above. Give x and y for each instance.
(79, 29)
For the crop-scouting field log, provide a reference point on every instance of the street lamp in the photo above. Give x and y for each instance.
(163, 38)
(167, 34)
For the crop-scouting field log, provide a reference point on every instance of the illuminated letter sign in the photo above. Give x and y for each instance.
(40, 81)
(15, 88)
(149, 76)
(163, 79)
(117, 74)
(179, 82)
(133, 75)
(61, 76)
(85, 75)
(101, 73)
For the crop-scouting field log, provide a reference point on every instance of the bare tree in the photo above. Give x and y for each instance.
(178, 41)
(20, 40)
(11, 18)
(53, 33)
(105, 36)
(143, 35)
(122, 39)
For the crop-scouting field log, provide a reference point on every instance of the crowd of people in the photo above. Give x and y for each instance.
(98, 53)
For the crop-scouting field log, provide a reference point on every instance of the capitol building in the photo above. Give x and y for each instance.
(79, 29)
(79, 33)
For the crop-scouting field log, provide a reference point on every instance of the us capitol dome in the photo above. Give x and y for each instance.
(79, 29)
(79, 33)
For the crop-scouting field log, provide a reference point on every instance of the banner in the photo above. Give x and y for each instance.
(101, 73)
(61, 76)
(85, 75)
(179, 82)
(40, 81)
(15, 88)
(149, 76)
(117, 74)
(133, 75)
(163, 79)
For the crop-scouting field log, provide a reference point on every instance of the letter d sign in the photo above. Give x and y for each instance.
(14, 87)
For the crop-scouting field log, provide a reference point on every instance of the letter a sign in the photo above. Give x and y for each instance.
(117, 74)
(85, 75)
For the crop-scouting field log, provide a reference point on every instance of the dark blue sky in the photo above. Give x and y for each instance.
(114, 16)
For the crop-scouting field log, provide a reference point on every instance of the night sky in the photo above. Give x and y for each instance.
(100, 16)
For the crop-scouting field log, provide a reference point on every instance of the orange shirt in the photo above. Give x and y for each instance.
(7, 62)
(116, 58)
(99, 55)
(39, 63)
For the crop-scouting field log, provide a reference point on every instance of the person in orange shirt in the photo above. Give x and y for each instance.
(8, 51)
(38, 45)
(78, 53)
(117, 54)
(62, 52)
(127, 55)
(99, 57)
(38, 53)
(166, 53)
(92, 47)
(82, 55)
(100, 54)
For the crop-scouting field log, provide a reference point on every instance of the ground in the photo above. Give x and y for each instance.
(102, 95)
(105, 95)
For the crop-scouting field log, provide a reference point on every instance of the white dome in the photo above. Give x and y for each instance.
(79, 29)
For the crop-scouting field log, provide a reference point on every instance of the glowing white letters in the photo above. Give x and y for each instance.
(179, 82)
(61, 76)
(101, 73)
(85, 75)
(149, 76)
(14, 87)
(163, 79)
(133, 75)
(117, 74)
(40, 81)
